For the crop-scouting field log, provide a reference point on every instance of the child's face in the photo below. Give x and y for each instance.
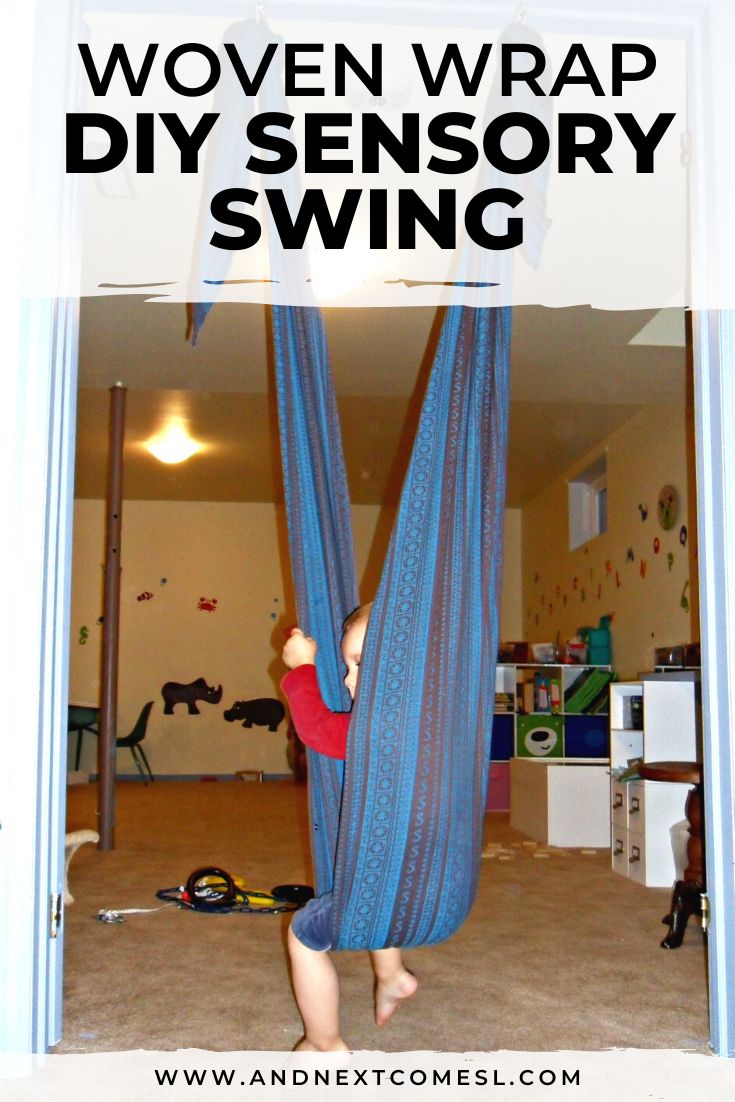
(352, 641)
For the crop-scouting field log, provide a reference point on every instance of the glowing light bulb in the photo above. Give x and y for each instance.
(174, 444)
(336, 273)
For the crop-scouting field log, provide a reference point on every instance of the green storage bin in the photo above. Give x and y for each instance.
(540, 736)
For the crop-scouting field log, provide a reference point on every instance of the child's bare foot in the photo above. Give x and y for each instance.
(389, 994)
(334, 1046)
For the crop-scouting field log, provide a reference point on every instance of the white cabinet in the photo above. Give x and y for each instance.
(560, 802)
(642, 813)
(668, 709)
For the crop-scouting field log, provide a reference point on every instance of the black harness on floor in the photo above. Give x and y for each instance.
(215, 891)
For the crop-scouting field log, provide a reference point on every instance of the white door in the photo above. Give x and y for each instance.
(37, 488)
(39, 356)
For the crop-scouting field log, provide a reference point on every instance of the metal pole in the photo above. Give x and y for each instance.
(106, 753)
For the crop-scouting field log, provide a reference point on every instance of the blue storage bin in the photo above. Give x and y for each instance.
(586, 737)
(501, 745)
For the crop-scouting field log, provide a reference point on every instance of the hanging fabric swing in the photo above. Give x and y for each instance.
(396, 829)
(402, 851)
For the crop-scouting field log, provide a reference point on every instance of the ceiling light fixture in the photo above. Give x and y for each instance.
(335, 273)
(174, 444)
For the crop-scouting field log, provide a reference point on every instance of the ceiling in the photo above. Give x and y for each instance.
(574, 379)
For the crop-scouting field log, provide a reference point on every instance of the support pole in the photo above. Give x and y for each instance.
(106, 752)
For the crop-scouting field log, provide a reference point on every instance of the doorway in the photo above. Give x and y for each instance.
(40, 344)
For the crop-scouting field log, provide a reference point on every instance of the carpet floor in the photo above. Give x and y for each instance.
(558, 953)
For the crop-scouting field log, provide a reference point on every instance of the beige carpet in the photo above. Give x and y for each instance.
(558, 953)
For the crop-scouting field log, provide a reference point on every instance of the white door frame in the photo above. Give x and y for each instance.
(712, 230)
(37, 464)
(714, 352)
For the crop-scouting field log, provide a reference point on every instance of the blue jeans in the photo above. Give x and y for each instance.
(312, 924)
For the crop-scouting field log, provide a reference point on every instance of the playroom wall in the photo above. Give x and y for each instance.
(619, 573)
(229, 558)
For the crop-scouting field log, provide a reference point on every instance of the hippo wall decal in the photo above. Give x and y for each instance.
(262, 712)
(175, 693)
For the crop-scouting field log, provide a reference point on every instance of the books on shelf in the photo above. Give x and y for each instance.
(504, 703)
(588, 693)
(546, 693)
(547, 689)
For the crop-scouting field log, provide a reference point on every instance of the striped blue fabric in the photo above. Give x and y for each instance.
(320, 538)
(396, 831)
(402, 852)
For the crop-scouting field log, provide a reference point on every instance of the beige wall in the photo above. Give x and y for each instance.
(226, 551)
(233, 552)
(511, 602)
(564, 590)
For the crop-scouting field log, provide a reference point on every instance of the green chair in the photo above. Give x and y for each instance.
(134, 739)
(82, 719)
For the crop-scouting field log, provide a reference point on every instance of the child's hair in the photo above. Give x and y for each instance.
(357, 616)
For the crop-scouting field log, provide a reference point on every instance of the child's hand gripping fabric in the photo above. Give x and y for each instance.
(299, 650)
(317, 727)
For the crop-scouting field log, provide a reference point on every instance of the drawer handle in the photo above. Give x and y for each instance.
(619, 847)
(635, 855)
(618, 801)
(635, 806)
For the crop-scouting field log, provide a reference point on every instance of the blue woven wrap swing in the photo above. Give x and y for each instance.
(397, 829)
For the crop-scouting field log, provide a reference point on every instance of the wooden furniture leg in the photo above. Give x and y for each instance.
(687, 896)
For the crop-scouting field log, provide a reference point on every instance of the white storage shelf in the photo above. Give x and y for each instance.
(642, 813)
(564, 731)
(510, 676)
(669, 730)
(561, 802)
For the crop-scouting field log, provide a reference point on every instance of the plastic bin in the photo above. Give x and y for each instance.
(577, 652)
(598, 641)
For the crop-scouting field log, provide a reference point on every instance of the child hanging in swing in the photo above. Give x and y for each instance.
(315, 980)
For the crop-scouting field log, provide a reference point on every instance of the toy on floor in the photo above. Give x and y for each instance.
(214, 890)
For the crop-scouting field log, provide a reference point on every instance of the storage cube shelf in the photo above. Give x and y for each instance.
(564, 729)
(556, 710)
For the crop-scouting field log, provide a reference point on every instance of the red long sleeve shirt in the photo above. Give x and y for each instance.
(316, 725)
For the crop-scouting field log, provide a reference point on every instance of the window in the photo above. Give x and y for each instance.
(588, 503)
